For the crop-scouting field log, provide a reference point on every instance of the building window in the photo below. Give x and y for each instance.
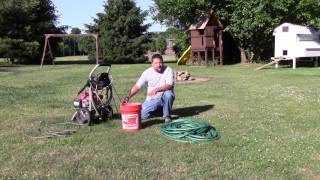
(285, 29)
(285, 52)
(201, 31)
(307, 37)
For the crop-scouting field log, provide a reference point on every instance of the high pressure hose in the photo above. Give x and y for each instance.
(187, 130)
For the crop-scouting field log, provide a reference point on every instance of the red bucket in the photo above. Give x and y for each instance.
(130, 114)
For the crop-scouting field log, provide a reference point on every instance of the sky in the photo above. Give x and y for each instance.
(76, 13)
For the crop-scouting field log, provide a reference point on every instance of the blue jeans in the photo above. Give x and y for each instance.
(161, 105)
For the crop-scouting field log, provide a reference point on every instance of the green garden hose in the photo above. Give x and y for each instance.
(187, 130)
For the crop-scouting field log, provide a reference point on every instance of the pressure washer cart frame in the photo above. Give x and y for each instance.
(93, 102)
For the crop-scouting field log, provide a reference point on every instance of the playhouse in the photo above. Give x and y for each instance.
(296, 42)
(206, 42)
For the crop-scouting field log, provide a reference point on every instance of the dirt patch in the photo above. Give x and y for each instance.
(193, 80)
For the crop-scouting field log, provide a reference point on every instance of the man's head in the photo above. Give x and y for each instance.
(157, 62)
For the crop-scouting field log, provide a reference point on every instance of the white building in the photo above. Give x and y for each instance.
(294, 41)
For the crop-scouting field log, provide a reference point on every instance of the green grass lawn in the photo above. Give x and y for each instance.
(3, 61)
(169, 58)
(268, 120)
(72, 58)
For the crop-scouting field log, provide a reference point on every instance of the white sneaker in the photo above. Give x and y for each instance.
(167, 120)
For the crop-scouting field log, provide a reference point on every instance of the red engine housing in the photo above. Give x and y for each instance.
(84, 99)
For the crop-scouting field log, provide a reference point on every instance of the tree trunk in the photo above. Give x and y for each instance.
(243, 56)
(11, 60)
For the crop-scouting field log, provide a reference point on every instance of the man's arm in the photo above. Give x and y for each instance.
(160, 89)
(134, 90)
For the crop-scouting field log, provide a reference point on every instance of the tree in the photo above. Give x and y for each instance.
(181, 40)
(75, 41)
(122, 32)
(181, 14)
(157, 42)
(75, 30)
(251, 22)
(22, 25)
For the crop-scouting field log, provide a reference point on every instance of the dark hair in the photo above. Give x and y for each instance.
(156, 56)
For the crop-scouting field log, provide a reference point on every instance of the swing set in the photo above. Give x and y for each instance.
(48, 46)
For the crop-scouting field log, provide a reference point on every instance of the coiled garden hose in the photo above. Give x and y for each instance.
(187, 130)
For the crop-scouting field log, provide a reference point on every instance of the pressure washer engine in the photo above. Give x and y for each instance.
(93, 101)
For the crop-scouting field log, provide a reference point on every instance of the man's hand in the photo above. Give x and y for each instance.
(132, 92)
(125, 100)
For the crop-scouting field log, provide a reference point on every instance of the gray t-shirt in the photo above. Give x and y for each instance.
(154, 79)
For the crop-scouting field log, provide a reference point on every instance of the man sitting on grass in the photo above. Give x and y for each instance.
(160, 96)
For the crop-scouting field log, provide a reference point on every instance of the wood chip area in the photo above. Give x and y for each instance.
(185, 77)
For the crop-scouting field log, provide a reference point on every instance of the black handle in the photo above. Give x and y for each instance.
(105, 65)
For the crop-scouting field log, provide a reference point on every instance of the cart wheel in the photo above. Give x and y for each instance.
(106, 113)
(83, 117)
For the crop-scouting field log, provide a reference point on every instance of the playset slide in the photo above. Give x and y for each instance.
(185, 57)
